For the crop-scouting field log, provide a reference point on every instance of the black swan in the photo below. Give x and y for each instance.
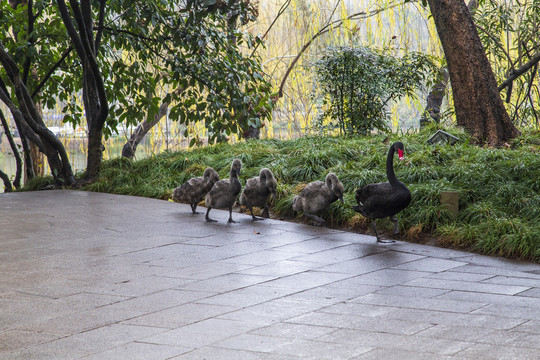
(317, 196)
(257, 190)
(223, 194)
(195, 189)
(376, 201)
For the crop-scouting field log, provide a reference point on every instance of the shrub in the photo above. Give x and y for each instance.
(358, 82)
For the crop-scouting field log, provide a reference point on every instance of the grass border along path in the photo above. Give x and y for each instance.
(498, 189)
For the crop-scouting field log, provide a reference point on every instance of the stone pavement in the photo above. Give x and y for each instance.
(100, 276)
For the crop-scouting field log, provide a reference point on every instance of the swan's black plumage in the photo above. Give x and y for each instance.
(195, 189)
(257, 191)
(376, 201)
(223, 194)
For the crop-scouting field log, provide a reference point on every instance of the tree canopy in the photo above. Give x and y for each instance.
(130, 57)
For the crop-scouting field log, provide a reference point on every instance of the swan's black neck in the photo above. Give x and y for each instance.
(392, 179)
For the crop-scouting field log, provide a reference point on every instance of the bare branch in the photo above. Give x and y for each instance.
(51, 71)
(535, 59)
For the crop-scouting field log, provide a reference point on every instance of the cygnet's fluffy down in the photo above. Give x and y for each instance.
(317, 196)
(257, 191)
(224, 193)
(195, 189)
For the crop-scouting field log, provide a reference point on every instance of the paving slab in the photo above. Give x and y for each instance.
(101, 276)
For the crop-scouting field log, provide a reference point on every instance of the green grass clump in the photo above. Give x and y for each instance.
(499, 189)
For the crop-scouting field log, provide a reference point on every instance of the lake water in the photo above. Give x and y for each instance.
(76, 148)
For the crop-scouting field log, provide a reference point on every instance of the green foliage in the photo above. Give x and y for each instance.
(499, 189)
(510, 37)
(151, 52)
(356, 84)
(193, 57)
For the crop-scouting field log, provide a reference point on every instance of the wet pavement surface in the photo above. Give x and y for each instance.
(100, 276)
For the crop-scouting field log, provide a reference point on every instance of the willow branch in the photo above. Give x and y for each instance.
(280, 12)
(329, 26)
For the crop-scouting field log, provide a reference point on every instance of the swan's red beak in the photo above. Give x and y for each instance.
(400, 154)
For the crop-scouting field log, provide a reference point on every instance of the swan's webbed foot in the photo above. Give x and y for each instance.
(385, 241)
(374, 225)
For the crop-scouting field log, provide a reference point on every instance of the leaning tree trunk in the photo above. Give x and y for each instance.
(128, 151)
(26, 114)
(478, 105)
(16, 154)
(7, 183)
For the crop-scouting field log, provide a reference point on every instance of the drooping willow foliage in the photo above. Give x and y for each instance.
(507, 28)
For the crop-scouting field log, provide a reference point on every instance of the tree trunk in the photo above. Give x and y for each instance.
(26, 115)
(94, 124)
(38, 160)
(96, 105)
(252, 133)
(18, 160)
(128, 151)
(7, 183)
(432, 111)
(478, 105)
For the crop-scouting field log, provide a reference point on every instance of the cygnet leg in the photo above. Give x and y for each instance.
(317, 221)
(230, 216)
(193, 208)
(207, 218)
(253, 217)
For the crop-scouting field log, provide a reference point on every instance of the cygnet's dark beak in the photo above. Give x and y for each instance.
(341, 199)
(274, 194)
